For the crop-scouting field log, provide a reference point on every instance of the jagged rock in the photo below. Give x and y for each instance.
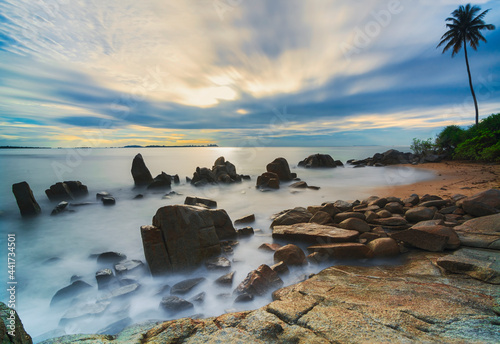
(245, 232)
(174, 304)
(384, 247)
(65, 294)
(161, 181)
(59, 208)
(290, 254)
(140, 172)
(482, 204)
(292, 216)
(222, 172)
(128, 266)
(26, 202)
(281, 168)
(245, 219)
(66, 191)
(200, 200)
(312, 232)
(268, 180)
(421, 239)
(320, 160)
(218, 263)
(259, 281)
(342, 250)
(355, 224)
(186, 286)
(225, 280)
(105, 279)
(418, 214)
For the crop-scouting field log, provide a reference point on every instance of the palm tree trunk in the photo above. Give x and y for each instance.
(470, 82)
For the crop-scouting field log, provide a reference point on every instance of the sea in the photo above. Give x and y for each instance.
(49, 250)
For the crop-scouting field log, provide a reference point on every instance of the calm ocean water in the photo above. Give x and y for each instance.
(50, 249)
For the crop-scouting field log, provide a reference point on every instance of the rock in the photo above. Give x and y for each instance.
(343, 206)
(101, 194)
(105, 279)
(26, 202)
(11, 327)
(321, 217)
(259, 281)
(384, 247)
(347, 215)
(391, 157)
(268, 180)
(483, 232)
(481, 265)
(280, 268)
(64, 295)
(81, 312)
(198, 298)
(343, 250)
(482, 204)
(200, 200)
(281, 168)
(244, 297)
(364, 208)
(453, 239)
(413, 199)
(355, 224)
(312, 232)
(186, 286)
(225, 280)
(140, 172)
(448, 210)
(110, 258)
(245, 232)
(121, 292)
(127, 266)
(428, 223)
(222, 172)
(391, 221)
(319, 160)
(394, 208)
(59, 208)
(290, 254)
(174, 304)
(269, 247)
(438, 203)
(370, 216)
(379, 202)
(418, 214)
(245, 219)
(218, 263)
(116, 327)
(155, 250)
(108, 200)
(384, 214)
(189, 234)
(432, 158)
(292, 216)
(421, 239)
(162, 181)
(66, 191)
(299, 185)
(328, 208)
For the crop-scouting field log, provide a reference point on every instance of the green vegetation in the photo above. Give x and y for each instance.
(479, 142)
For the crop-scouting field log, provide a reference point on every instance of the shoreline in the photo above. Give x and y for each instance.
(452, 177)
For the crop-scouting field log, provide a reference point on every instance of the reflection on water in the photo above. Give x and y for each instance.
(51, 249)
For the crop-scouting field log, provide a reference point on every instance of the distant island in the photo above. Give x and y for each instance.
(128, 146)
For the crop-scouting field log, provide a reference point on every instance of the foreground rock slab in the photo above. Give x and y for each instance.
(312, 232)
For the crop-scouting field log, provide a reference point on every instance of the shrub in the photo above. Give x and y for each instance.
(484, 146)
(451, 136)
(422, 146)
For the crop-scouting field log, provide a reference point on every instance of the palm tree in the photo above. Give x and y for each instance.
(465, 27)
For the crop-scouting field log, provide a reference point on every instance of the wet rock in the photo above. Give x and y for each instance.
(105, 279)
(218, 263)
(347, 215)
(259, 281)
(127, 266)
(186, 286)
(66, 191)
(280, 268)
(225, 280)
(26, 202)
(312, 232)
(299, 185)
(355, 224)
(162, 181)
(11, 327)
(418, 214)
(290, 254)
(174, 304)
(63, 295)
(384, 247)
(140, 172)
(245, 219)
(243, 297)
(108, 200)
(268, 180)
(482, 204)
(245, 232)
(421, 239)
(281, 168)
(321, 217)
(155, 250)
(81, 312)
(59, 208)
(101, 194)
(200, 200)
(320, 160)
(110, 258)
(342, 250)
(292, 216)
(269, 247)
(198, 298)
(121, 292)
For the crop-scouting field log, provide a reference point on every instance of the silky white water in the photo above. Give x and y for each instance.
(51, 249)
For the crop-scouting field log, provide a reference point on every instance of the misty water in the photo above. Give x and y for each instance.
(51, 249)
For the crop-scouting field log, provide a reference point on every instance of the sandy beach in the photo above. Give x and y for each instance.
(452, 177)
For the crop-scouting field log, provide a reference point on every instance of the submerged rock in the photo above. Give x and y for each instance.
(26, 202)
(320, 160)
(174, 304)
(66, 191)
(59, 208)
(63, 295)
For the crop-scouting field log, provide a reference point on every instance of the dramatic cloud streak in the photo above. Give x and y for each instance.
(221, 71)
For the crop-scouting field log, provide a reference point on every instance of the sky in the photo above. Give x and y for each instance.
(98, 73)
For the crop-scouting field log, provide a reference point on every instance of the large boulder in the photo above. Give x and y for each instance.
(183, 236)
(26, 202)
(391, 157)
(424, 240)
(320, 160)
(483, 232)
(384, 247)
(66, 191)
(482, 204)
(11, 327)
(281, 168)
(268, 180)
(161, 181)
(140, 172)
(259, 281)
(290, 254)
